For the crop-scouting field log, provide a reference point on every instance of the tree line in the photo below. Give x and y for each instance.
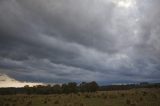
(71, 87)
(129, 86)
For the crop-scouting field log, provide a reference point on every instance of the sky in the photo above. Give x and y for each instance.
(59, 41)
(6, 81)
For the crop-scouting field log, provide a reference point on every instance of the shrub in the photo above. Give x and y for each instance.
(56, 102)
(87, 96)
(141, 99)
(81, 104)
(144, 93)
(133, 104)
(78, 94)
(7, 104)
(112, 96)
(123, 95)
(105, 96)
(128, 102)
(13, 104)
(154, 96)
(45, 102)
(29, 103)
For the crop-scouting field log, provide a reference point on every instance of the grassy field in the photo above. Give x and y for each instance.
(134, 97)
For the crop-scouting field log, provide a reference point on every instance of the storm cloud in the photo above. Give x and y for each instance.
(57, 41)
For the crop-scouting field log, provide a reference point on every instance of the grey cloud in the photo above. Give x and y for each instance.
(59, 40)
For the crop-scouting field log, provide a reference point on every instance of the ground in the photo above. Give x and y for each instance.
(134, 97)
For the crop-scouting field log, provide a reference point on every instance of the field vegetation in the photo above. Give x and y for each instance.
(133, 97)
(83, 94)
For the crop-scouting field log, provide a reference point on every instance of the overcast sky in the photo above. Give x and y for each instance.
(57, 41)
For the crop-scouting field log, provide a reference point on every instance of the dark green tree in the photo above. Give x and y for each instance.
(72, 87)
(93, 86)
(57, 89)
(65, 88)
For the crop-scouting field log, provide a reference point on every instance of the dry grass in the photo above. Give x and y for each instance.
(135, 97)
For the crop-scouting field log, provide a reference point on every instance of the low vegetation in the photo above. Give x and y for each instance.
(133, 97)
(84, 94)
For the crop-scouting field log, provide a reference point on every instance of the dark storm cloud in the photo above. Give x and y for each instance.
(59, 40)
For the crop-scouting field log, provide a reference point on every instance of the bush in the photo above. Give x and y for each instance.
(7, 104)
(144, 93)
(45, 102)
(29, 103)
(81, 104)
(133, 104)
(87, 96)
(141, 99)
(13, 104)
(128, 102)
(123, 95)
(56, 102)
(155, 96)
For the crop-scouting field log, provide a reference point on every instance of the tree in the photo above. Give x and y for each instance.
(72, 87)
(65, 88)
(57, 88)
(82, 87)
(28, 89)
(88, 87)
(93, 86)
(26, 86)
